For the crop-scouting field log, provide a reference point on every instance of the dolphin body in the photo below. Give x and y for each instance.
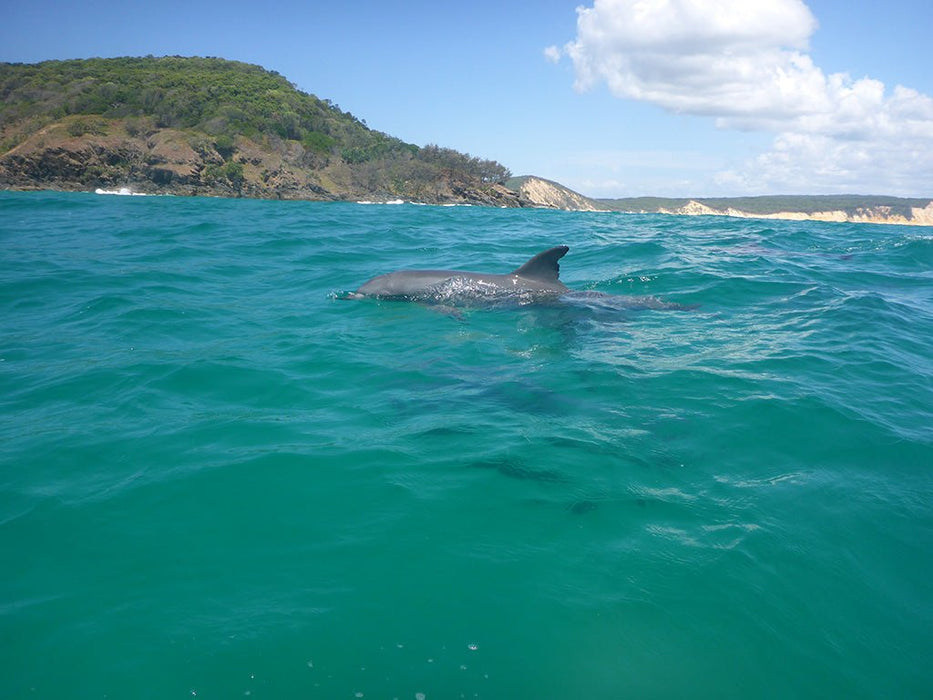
(537, 279)
(535, 282)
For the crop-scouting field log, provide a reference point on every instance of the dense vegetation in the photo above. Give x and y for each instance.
(223, 101)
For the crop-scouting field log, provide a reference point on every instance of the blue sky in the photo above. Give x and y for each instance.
(621, 98)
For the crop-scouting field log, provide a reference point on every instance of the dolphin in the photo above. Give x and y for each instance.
(537, 281)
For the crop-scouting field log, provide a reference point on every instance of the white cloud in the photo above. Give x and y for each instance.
(717, 57)
(744, 63)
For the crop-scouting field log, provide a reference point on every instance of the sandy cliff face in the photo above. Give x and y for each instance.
(543, 193)
(923, 216)
(919, 216)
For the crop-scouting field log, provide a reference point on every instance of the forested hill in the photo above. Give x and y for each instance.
(212, 126)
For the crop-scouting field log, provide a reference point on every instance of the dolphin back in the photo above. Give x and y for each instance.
(544, 266)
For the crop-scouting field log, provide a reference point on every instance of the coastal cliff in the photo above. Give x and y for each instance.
(178, 162)
(538, 192)
(861, 209)
(869, 214)
(541, 193)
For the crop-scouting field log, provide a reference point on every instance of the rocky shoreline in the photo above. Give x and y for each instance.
(169, 161)
(113, 156)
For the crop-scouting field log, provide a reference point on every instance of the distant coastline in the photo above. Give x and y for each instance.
(545, 194)
(863, 209)
(212, 127)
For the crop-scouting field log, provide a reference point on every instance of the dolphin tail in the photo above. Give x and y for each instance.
(543, 266)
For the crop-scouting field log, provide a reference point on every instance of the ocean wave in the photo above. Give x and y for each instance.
(122, 191)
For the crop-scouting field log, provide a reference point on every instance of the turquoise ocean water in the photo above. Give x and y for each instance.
(218, 479)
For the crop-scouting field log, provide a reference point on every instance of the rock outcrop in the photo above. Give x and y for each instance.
(110, 154)
(538, 192)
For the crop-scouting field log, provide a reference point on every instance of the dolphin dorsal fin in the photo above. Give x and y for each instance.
(543, 266)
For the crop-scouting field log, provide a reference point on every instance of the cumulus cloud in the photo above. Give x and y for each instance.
(552, 53)
(745, 64)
